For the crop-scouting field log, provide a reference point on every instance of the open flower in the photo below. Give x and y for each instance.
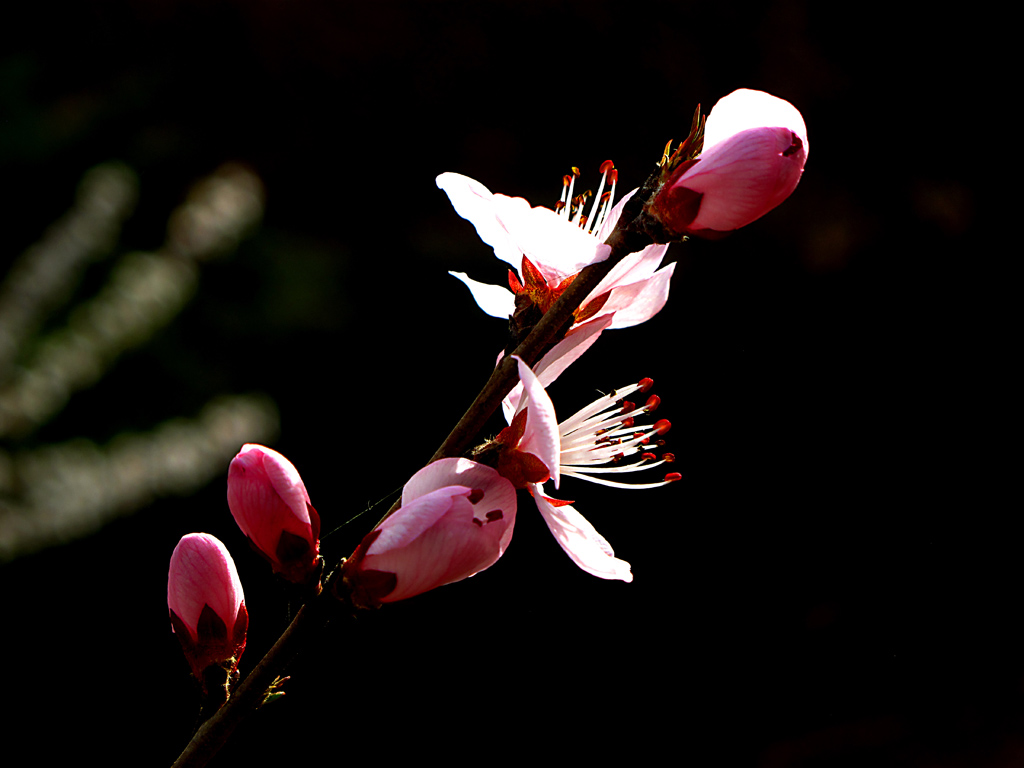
(456, 520)
(269, 502)
(590, 445)
(548, 248)
(206, 604)
(755, 147)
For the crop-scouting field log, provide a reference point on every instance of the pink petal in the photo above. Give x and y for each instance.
(202, 573)
(541, 437)
(498, 492)
(584, 545)
(443, 534)
(266, 495)
(743, 178)
(744, 109)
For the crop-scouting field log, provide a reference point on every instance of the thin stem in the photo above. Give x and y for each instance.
(248, 696)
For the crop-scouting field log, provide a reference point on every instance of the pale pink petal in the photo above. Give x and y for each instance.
(584, 545)
(475, 203)
(569, 349)
(498, 492)
(632, 269)
(495, 300)
(557, 247)
(440, 535)
(638, 302)
(541, 436)
(434, 542)
(744, 109)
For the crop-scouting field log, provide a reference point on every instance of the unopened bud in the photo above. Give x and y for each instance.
(269, 502)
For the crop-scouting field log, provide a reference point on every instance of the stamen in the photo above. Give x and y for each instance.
(606, 166)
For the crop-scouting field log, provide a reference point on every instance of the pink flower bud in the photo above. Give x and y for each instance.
(206, 604)
(755, 147)
(456, 519)
(271, 506)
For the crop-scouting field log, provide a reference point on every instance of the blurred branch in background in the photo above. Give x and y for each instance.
(54, 493)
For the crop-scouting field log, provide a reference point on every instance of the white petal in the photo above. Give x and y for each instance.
(581, 541)
(476, 204)
(492, 299)
(557, 247)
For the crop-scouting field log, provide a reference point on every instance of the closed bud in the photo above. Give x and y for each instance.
(206, 605)
(269, 502)
(755, 147)
(456, 519)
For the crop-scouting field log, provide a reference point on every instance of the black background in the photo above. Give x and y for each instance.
(835, 582)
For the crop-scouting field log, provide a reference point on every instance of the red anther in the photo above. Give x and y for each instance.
(476, 495)
(566, 180)
(618, 457)
(661, 426)
(672, 477)
(669, 457)
(648, 457)
(652, 403)
(613, 177)
(628, 421)
(559, 206)
(606, 166)
(627, 406)
(605, 197)
(645, 384)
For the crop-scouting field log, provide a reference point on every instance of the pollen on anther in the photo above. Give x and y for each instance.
(668, 457)
(662, 426)
(652, 403)
(606, 166)
(645, 384)
(672, 477)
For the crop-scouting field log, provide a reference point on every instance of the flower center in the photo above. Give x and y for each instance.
(573, 208)
(605, 432)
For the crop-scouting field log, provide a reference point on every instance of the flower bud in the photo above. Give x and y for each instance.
(206, 604)
(269, 502)
(456, 519)
(755, 147)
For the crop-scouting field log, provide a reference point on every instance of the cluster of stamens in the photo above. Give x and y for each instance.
(573, 208)
(605, 432)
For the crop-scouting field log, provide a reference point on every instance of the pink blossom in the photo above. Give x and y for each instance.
(558, 244)
(269, 502)
(582, 447)
(206, 604)
(755, 147)
(456, 520)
